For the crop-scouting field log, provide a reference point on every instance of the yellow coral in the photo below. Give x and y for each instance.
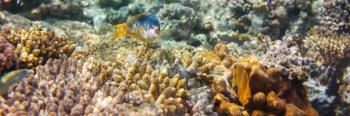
(220, 61)
(35, 46)
(226, 106)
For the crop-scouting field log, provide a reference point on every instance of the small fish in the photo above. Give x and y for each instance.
(11, 78)
(144, 27)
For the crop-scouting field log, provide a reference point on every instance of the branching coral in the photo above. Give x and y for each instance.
(35, 46)
(327, 48)
(52, 89)
(82, 87)
(332, 52)
(159, 81)
(334, 16)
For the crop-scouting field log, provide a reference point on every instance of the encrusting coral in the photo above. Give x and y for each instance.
(7, 58)
(34, 46)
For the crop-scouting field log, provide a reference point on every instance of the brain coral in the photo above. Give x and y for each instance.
(35, 46)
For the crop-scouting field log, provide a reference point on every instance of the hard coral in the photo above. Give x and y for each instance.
(251, 77)
(289, 91)
(154, 86)
(102, 87)
(52, 89)
(224, 105)
(327, 48)
(334, 16)
(58, 9)
(7, 57)
(35, 46)
(165, 82)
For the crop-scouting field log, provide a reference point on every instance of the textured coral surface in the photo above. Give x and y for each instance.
(211, 57)
(35, 46)
(7, 58)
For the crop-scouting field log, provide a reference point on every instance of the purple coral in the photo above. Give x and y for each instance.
(7, 56)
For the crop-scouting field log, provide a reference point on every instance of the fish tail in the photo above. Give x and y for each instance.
(122, 30)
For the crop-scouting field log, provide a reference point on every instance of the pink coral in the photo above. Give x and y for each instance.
(7, 56)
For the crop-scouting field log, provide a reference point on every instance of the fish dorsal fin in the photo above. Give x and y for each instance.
(133, 19)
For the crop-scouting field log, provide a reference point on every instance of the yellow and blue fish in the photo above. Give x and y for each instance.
(144, 27)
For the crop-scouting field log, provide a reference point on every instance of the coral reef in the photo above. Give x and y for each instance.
(327, 49)
(140, 81)
(7, 57)
(34, 46)
(106, 89)
(42, 9)
(12, 77)
(272, 18)
(212, 57)
(250, 77)
(334, 15)
(329, 79)
(57, 9)
(318, 59)
(179, 18)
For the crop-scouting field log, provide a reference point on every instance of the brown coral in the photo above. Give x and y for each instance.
(7, 56)
(334, 16)
(289, 91)
(103, 87)
(35, 46)
(327, 48)
(261, 80)
(224, 106)
(139, 81)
